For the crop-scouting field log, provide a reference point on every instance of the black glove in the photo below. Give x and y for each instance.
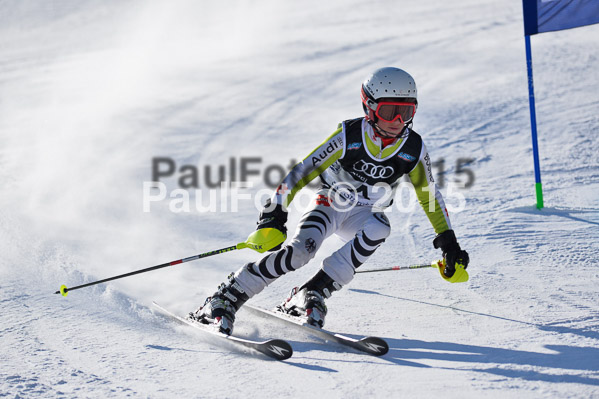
(452, 253)
(273, 217)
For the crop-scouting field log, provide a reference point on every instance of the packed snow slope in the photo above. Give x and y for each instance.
(92, 91)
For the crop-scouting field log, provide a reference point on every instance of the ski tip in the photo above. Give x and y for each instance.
(278, 349)
(375, 346)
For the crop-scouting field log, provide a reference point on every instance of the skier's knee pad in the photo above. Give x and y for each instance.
(342, 264)
(304, 248)
(377, 227)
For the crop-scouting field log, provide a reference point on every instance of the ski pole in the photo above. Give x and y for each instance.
(64, 290)
(260, 241)
(421, 266)
(460, 275)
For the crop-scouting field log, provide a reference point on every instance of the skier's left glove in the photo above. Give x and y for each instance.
(452, 253)
(273, 216)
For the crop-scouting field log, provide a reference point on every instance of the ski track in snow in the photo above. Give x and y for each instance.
(90, 92)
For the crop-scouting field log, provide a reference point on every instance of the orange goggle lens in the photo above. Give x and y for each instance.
(392, 111)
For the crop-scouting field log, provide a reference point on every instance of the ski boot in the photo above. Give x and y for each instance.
(220, 308)
(307, 302)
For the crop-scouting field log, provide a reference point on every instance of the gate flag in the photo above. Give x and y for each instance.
(551, 15)
(546, 16)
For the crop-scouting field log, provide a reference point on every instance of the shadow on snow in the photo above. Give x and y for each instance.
(407, 352)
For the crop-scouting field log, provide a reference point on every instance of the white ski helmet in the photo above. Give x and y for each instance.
(390, 84)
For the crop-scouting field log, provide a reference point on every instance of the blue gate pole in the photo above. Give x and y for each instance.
(533, 124)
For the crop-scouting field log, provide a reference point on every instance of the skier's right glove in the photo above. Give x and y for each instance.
(452, 253)
(275, 217)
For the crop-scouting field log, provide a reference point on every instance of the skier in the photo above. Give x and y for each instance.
(361, 163)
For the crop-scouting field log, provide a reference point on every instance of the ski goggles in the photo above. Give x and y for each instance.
(390, 111)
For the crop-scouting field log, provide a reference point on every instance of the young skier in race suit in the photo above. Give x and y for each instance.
(360, 166)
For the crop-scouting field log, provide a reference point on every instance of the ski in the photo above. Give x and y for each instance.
(274, 348)
(371, 345)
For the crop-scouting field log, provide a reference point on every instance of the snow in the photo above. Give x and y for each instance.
(91, 91)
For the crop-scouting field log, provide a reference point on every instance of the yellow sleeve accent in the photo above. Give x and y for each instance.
(430, 199)
(311, 166)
